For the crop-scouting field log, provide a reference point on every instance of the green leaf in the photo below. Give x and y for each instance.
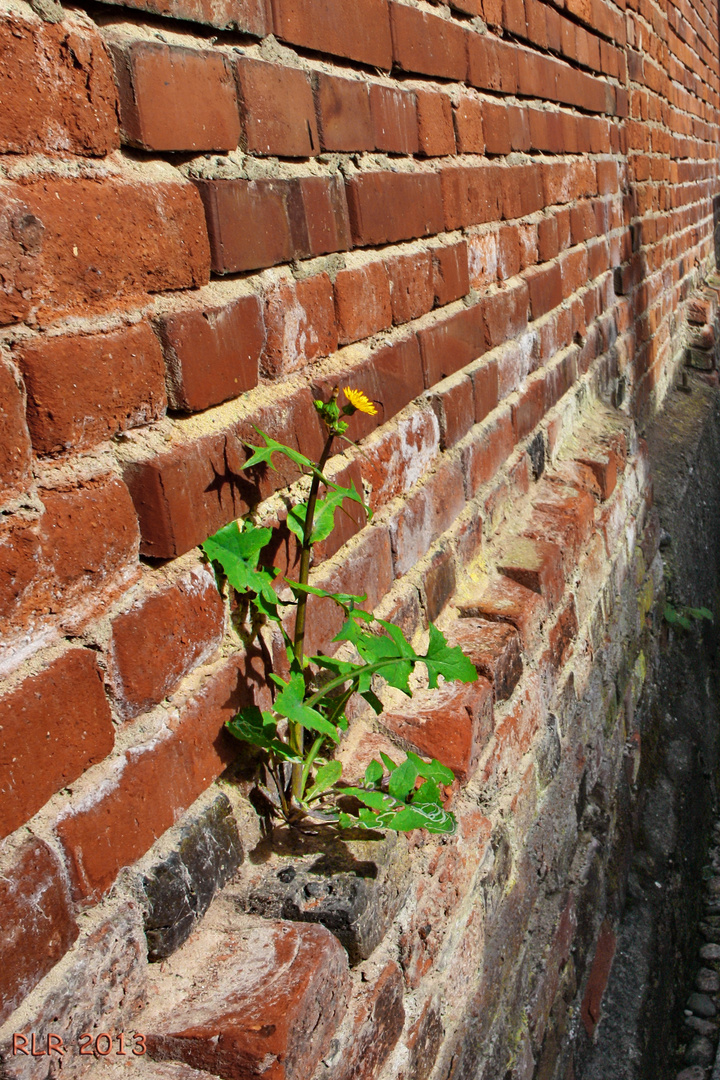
(700, 613)
(373, 701)
(432, 770)
(325, 509)
(343, 599)
(427, 816)
(259, 728)
(263, 454)
(389, 763)
(428, 792)
(447, 660)
(290, 702)
(670, 614)
(376, 800)
(325, 778)
(373, 773)
(402, 780)
(236, 547)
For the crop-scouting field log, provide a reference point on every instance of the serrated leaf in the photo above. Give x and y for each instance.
(236, 547)
(325, 508)
(432, 770)
(388, 762)
(290, 703)
(700, 613)
(373, 700)
(325, 777)
(343, 599)
(259, 728)
(263, 454)
(428, 792)
(376, 800)
(447, 660)
(428, 816)
(670, 614)
(402, 780)
(373, 773)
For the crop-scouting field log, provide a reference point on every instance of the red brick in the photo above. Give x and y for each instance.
(566, 511)
(55, 725)
(427, 44)
(505, 600)
(489, 449)
(492, 64)
(521, 190)
(277, 109)
(173, 98)
(248, 16)
(485, 387)
(450, 272)
(377, 1021)
(529, 409)
(21, 241)
(468, 115)
(452, 343)
(15, 457)
(454, 402)
(359, 31)
(58, 87)
(386, 207)
(361, 376)
(212, 352)
(599, 975)
(545, 287)
(362, 302)
(399, 374)
(318, 215)
(38, 922)
(82, 390)
(89, 535)
(514, 17)
(344, 118)
(411, 285)
(519, 126)
(147, 789)
(575, 475)
(470, 195)
(162, 637)
(513, 737)
(452, 724)
(280, 1022)
(562, 635)
(494, 649)
(185, 494)
(604, 468)
(435, 123)
(607, 177)
(229, 205)
(496, 126)
(300, 322)
(548, 243)
(509, 260)
(427, 513)
(395, 461)
(439, 582)
(505, 314)
(573, 271)
(394, 118)
(582, 222)
(536, 564)
(102, 243)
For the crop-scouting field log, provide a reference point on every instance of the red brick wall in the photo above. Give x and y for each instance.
(478, 211)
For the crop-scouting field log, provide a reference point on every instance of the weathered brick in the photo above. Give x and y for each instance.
(468, 116)
(452, 724)
(454, 402)
(492, 64)
(300, 322)
(82, 390)
(450, 272)
(505, 600)
(489, 448)
(529, 409)
(248, 16)
(505, 314)
(212, 352)
(58, 87)
(344, 117)
(174, 98)
(277, 109)
(394, 117)
(439, 582)
(386, 207)
(427, 513)
(162, 637)
(21, 241)
(375, 1025)
(536, 564)
(427, 44)
(229, 205)
(599, 975)
(362, 302)
(485, 387)
(494, 649)
(546, 293)
(496, 126)
(15, 455)
(319, 215)
(399, 374)
(411, 281)
(452, 343)
(470, 195)
(359, 31)
(37, 762)
(393, 463)
(435, 123)
(38, 922)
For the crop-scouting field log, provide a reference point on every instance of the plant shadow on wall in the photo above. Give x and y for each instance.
(299, 782)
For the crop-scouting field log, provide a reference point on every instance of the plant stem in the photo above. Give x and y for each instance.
(295, 730)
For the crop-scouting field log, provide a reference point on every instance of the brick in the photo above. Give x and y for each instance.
(450, 272)
(562, 635)
(37, 762)
(393, 463)
(377, 1021)
(435, 123)
(281, 1022)
(505, 314)
(146, 789)
(604, 468)
(566, 512)
(212, 352)
(424, 1041)
(452, 724)
(485, 388)
(494, 649)
(58, 87)
(387, 207)
(514, 17)
(362, 302)
(162, 637)
(439, 582)
(576, 475)
(506, 600)
(427, 513)
(548, 242)
(545, 288)
(229, 205)
(108, 241)
(394, 118)
(509, 259)
(489, 449)
(496, 125)
(470, 195)
(344, 118)
(536, 564)
(173, 98)
(248, 16)
(492, 64)
(454, 402)
(21, 241)
(359, 31)
(599, 974)
(399, 374)
(300, 322)
(468, 115)
(411, 280)
(521, 190)
(185, 494)
(427, 44)
(277, 109)
(38, 921)
(320, 222)
(529, 409)
(82, 390)
(451, 344)
(15, 456)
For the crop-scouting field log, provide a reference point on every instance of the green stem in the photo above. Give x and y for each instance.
(314, 751)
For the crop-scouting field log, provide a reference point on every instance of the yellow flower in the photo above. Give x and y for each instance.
(359, 401)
